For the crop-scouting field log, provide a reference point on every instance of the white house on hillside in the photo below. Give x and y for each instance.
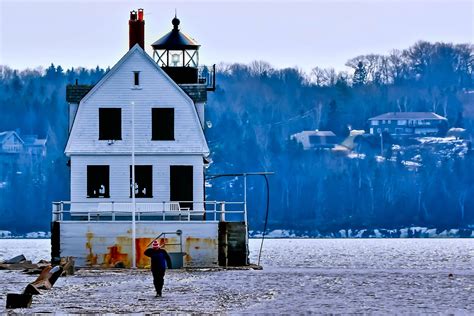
(315, 139)
(408, 123)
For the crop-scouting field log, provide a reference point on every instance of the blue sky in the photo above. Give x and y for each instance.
(286, 34)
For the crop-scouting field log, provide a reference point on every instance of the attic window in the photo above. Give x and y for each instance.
(136, 78)
(110, 124)
(162, 124)
(143, 181)
(98, 182)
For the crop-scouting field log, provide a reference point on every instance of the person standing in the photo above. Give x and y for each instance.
(160, 260)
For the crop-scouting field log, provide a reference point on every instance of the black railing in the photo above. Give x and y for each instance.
(207, 76)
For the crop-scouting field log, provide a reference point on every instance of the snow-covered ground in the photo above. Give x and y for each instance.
(299, 275)
(408, 232)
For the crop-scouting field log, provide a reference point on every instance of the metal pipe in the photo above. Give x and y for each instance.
(134, 263)
(245, 213)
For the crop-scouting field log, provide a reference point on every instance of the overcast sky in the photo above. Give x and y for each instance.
(285, 33)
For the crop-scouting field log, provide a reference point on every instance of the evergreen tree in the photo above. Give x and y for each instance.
(360, 75)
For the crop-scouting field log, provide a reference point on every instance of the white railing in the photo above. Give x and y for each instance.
(149, 211)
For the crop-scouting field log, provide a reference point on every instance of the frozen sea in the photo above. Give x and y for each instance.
(299, 276)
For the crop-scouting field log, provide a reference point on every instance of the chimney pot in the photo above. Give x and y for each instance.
(136, 29)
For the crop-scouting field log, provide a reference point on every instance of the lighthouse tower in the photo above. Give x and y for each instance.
(137, 155)
(178, 55)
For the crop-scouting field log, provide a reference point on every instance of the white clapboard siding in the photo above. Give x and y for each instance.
(119, 180)
(116, 90)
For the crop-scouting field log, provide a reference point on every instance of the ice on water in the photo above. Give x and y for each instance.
(302, 275)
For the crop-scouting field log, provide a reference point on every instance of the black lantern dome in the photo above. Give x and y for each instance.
(175, 40)
(178, 55)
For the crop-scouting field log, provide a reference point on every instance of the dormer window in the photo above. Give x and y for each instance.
(136, 78)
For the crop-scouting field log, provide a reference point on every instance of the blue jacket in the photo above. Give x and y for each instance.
(160, 259)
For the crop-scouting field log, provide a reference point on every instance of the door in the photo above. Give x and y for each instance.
(181, 185)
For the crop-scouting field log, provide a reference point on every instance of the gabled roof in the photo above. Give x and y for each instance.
(114, 69)
(304, 137)
(408, 116)
(120, 62)
(5, 135)
(314, 133)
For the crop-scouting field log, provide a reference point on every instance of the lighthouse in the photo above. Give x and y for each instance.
(137, 155)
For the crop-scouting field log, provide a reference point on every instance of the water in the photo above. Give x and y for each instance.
(299, 275)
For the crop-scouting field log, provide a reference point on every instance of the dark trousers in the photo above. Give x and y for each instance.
(158, 280)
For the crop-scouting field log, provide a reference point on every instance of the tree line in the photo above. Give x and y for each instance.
(250, 118)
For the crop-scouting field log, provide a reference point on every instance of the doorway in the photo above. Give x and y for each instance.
(181, 185)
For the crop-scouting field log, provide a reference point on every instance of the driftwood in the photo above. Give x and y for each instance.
(68, 265)
(17, 259)
(18, 300)
(47, 278)
(18, 266)
(48, 275)
(45, 281)
(20, 263)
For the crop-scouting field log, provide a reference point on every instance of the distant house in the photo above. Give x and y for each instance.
(408, 123)
(10, 143)
(16, 151)
(35, 146)
(11, 146)
(315, 139)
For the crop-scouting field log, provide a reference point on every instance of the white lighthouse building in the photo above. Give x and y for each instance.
(137, 153)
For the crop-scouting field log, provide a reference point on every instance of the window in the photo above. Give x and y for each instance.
(98, 182)
(110, 124)
(143, 181)
(402, 122)
(136, 78)
(374, 122)
(162, 124)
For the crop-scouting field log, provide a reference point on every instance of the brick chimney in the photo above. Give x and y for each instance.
(136, 29)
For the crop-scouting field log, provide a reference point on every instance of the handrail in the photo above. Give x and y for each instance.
(178, 232)
(117, 210)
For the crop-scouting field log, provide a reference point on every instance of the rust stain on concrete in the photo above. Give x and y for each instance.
(91, 258)
(140, 246)
(115, 255)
